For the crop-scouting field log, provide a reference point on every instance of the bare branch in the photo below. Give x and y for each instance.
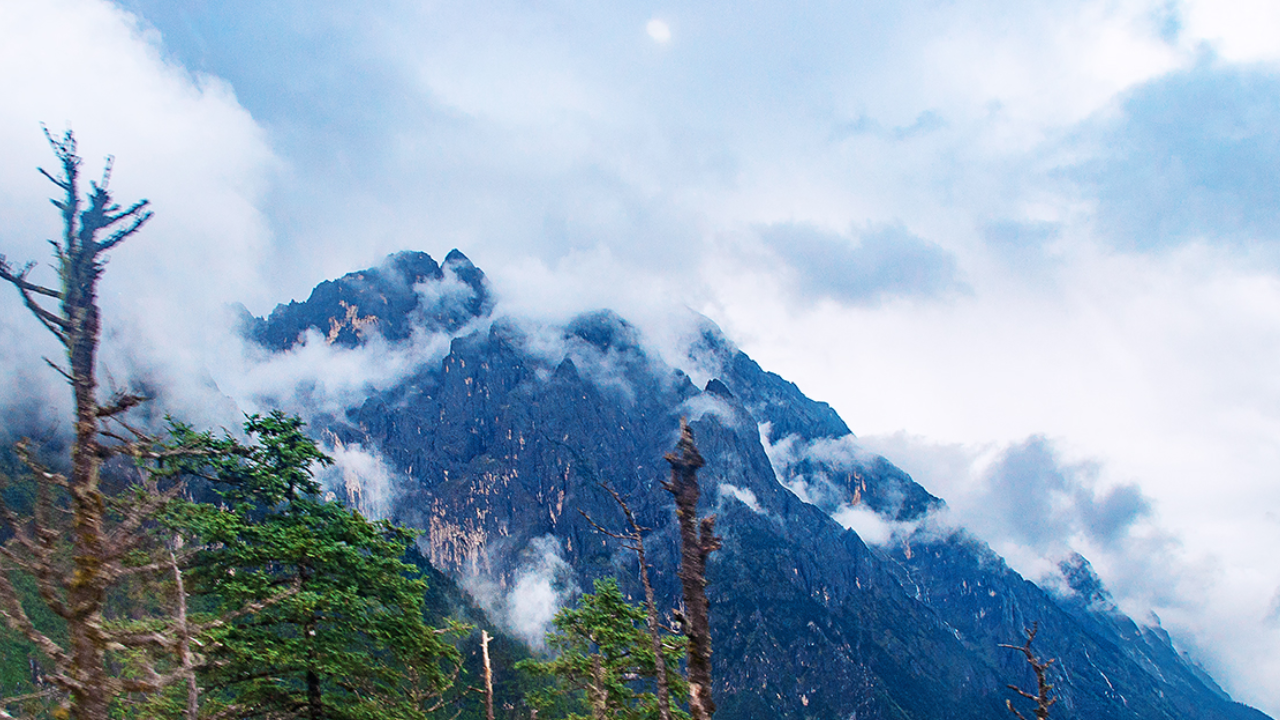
(58, 369)
(1040, 667)
(20, 535)
(107, 166)
(37, 539)
(124, 536)
(43, 475)
(122, 402)
(16, 560)
(29, 696)
(20, 280)
(249, 609)
(602, 530)
(13, 612)
(56, 324)
(60, 183)
(139, 219)
(135, 432)
(124, 446)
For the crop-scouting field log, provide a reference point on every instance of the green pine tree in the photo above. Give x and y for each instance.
(342, 634)
(603, 657)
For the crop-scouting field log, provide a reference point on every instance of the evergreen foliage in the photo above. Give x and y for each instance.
(603, 654)
(343, 636)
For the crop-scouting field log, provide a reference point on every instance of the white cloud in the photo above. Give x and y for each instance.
(361, 478)
(699, 406)
(659, 30)
(181, 140)
(867, 523)
(538, 589)
(1239, 30)
(742, 495)
(1035, 507)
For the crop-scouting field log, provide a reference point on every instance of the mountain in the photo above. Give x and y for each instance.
(385, 300)
(499, 448)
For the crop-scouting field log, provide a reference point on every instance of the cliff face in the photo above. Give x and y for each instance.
(500, 449)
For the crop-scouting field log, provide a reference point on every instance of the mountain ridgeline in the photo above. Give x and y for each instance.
(499, 448)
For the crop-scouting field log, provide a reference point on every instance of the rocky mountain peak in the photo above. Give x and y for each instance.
(407, 291)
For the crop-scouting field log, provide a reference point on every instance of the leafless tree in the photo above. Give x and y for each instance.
(697, 541)
(80, 543)
(634, 541)
(1043, 686)
(488, 675)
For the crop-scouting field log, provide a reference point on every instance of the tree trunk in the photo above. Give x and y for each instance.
(86, 590)
(697, 542)
(315, 709)
(651, 609)
(185, 657)
(598, 694)
(488, 675)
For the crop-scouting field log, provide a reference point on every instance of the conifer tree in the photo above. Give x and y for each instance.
(350, 642)
(603, 657)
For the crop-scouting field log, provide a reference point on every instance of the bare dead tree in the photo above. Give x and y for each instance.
(488, 675)
(1040, 667)
(97, 553)
(79, 543)
(187, 659)
(697, 541)
(634, 541)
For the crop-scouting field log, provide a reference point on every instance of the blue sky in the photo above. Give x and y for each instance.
(1019, 246)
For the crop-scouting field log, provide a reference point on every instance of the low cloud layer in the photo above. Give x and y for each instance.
(1032, 496)
(1037, 508)
(742, 495)
(538, 588)
(362, 479)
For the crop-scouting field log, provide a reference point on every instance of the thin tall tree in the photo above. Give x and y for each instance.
(1040, 667)
(634, 541)
(80, 543)
(76, 588)
(697, 541)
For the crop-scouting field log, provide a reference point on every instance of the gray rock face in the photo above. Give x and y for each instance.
(504, 443)
(409, 290)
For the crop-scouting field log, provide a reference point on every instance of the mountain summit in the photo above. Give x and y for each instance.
(407, 291)
(497, 452)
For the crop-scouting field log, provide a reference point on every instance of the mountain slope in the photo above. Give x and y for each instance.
(499, 449)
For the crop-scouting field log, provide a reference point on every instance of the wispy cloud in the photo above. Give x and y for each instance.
(538, 588)
(1191, 156)
(875, 265)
